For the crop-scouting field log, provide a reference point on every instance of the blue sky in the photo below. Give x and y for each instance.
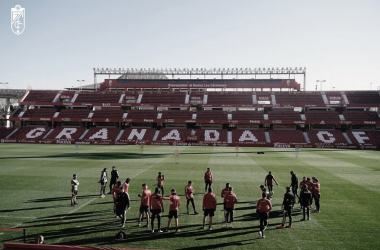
(336, 40)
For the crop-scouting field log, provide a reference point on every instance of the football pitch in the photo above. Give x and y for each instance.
(36, 191)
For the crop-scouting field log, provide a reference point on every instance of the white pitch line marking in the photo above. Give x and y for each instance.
(78, 208)
(150, 167)
(16, 217)
(17, 225)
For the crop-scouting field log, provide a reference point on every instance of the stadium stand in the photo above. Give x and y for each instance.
(287, 136)
(108, 113)
(212, 135)
(167, 134)
(264, 98)
(17, 112)
(365, 137)
(196, 97)
(142, 114)
(212, 114)
(130, 97)
(41, 112)
(163, 97)
(30, 133)
(337, 118)
(361, 115)
(98, 97)
(137, 134)
(41, 96)
(5, 131)
(322, 115)
(284, 115)
(101, 134)
(74, 113)
(326, 136)
(299, 99)
(363, 97)
(247, 115)
(229, 98)
(66, 133)
(67, 93)
(248, 136)
(176, 114)
(334, 97)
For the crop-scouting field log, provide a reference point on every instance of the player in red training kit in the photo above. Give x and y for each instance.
(126, 185)
(208, 179)
(263, 207)
(222, 194)
(144, 204)
(160, 182)
(156, 207)
(302, 185)
(316, 194)
(189, 190)
(175, 202)
(115, 191)
(310, 187)
(229, 201)
(209, 207)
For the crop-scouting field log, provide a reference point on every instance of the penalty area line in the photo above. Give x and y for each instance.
(151, 166)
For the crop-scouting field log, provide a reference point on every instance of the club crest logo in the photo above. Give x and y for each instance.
(18, 19)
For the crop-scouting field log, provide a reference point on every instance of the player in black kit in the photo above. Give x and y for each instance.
(294, 185)
(114, 177)
(287, 205)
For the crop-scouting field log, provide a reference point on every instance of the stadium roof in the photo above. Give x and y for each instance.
(143, 76)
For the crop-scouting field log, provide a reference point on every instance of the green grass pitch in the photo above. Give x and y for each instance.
(35, 195)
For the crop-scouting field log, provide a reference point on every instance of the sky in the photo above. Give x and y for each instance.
(336, 40)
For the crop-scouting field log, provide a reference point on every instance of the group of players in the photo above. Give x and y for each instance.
(310, 190)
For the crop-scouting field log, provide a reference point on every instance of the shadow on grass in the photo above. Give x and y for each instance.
(94, 156)
(190, 231)
(126, 155)
(28, 209)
